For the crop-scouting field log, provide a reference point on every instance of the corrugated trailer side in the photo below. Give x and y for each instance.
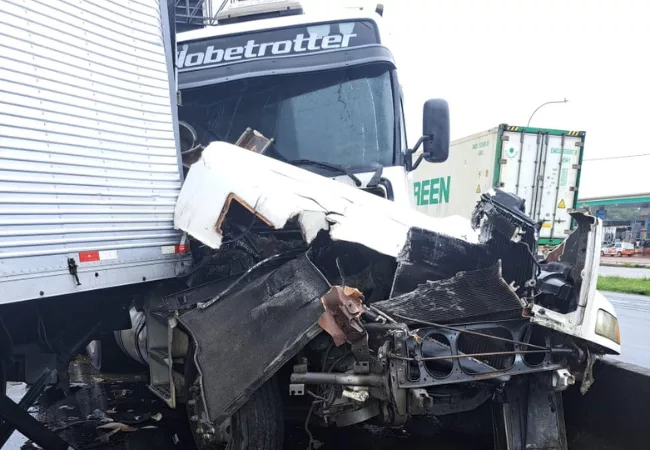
(89, 167)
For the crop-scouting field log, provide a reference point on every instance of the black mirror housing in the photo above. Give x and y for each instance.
(435, 126)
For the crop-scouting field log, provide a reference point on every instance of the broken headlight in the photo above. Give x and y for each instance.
(607, 326)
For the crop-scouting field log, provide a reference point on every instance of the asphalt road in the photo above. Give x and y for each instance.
(622, 271)
(633, 316)
(634, 319)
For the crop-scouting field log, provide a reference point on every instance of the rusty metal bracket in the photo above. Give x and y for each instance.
(361, 352)
(342, 316)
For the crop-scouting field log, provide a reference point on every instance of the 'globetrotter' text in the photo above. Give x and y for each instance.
(252, 49)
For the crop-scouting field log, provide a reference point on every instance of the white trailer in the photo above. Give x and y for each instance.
(540, 165)
(89, 166)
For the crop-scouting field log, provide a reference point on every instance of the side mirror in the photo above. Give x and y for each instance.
(435, 135)
(435, 123)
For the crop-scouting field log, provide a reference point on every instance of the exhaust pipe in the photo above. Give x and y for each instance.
(133, 342)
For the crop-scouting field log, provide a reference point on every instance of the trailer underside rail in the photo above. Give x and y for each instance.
(15, 417)
(35, 391)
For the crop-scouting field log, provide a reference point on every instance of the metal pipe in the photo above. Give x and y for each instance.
(386, 326)
(133, 341)
(337, 378)
(382, 314)
(478, 355)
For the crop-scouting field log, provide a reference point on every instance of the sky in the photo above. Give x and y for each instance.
(495, 61)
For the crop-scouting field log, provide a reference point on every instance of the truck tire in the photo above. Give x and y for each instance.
(257, 425)
(618, 254)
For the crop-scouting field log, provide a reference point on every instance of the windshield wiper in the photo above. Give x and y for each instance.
(376, 178)
(333, 167)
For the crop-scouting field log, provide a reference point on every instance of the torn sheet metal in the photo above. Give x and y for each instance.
(435, 270)
(430, 256)
(259, 326)
(278, 192)
(582, 251)
(509, 235)
(468, 296)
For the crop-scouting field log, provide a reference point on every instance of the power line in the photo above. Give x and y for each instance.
(616, 157)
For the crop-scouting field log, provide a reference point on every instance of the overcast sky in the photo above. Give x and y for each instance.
(495, 61)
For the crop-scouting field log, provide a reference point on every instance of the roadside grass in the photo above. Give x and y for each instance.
(627, 264)
(626, 285)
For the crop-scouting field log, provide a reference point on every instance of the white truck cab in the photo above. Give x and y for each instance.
(322, 84)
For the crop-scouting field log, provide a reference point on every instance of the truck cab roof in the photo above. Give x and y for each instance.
(317, 16)
(305, 42)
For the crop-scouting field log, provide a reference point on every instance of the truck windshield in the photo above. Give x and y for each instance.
(343, 116)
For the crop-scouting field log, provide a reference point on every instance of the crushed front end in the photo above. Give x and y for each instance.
(374, 312)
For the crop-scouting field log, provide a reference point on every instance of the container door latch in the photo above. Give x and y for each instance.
(72, 268)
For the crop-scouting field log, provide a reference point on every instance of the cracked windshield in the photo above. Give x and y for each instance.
(344, 117)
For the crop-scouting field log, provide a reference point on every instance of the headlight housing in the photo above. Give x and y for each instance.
(607, 326)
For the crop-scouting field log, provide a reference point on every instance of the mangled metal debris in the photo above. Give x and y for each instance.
(276, 314)
(479, 294)
(411, 306)
(278, 193)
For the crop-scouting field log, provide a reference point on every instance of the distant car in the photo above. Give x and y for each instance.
(618, 249)
(644, 248)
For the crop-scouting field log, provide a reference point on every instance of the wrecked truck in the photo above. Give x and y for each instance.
(363, 310)
(206, 240)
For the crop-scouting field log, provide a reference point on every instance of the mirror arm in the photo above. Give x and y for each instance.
(414, 165)
(410, 165)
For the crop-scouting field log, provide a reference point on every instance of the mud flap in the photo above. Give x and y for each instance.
(248, 334)
(530, 416)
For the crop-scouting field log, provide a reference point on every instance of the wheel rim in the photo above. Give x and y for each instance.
(206, 435)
